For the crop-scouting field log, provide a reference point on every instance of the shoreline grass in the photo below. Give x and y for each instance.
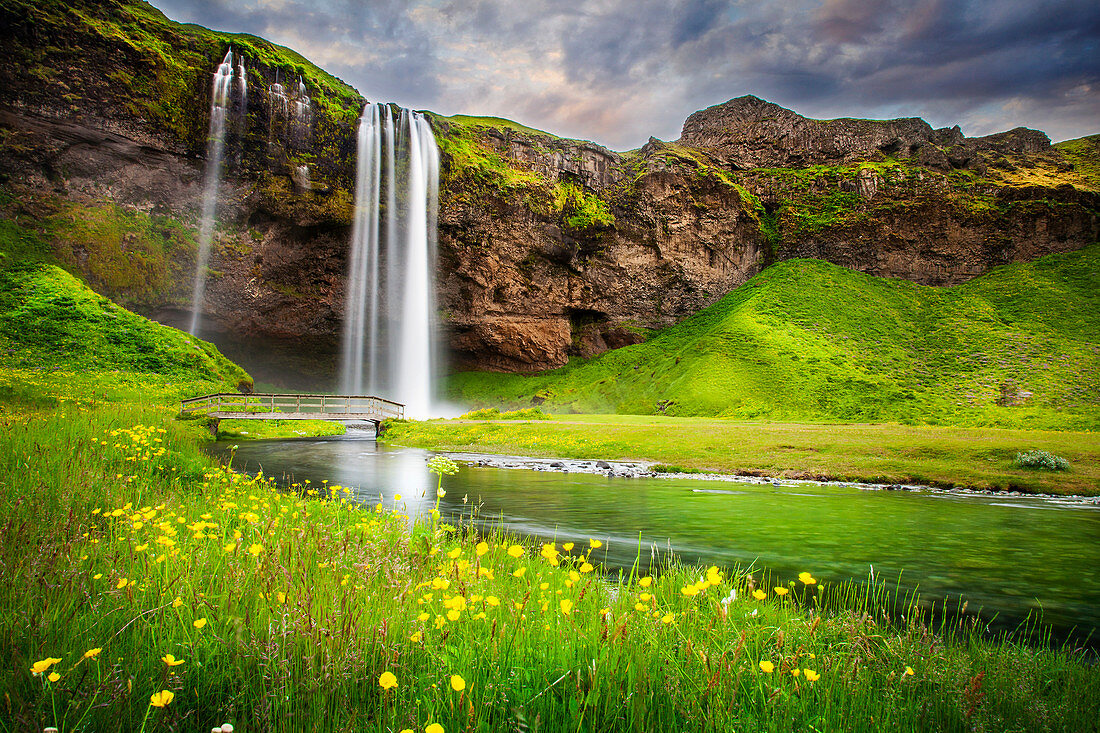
(974, 458)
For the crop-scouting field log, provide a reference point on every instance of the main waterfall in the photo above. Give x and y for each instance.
(389, 326)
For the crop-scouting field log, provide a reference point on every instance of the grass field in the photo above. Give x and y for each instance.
(144, 587)
(807, 341)
(980, 458)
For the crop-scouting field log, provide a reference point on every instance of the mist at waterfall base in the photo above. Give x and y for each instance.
(390, 344)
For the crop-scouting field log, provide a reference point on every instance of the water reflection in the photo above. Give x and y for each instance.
(1010, 555)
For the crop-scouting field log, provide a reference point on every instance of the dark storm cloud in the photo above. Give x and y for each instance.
(618, 71)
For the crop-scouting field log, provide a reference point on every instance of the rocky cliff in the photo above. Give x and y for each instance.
(548, 247)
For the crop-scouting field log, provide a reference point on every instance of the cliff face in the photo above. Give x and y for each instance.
(548, 247)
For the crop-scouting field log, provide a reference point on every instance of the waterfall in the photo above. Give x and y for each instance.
(389, 327)
(215, 141)
(242, 79)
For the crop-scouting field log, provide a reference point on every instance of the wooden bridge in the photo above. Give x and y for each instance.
(336, 408)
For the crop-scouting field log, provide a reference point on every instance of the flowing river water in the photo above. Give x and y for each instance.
(1005, 555)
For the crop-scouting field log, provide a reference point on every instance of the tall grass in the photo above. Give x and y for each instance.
(119, 535)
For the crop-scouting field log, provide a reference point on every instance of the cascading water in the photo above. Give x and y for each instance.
(389, 328)
(219, 110)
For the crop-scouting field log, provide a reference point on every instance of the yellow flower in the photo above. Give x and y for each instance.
(416, 637)
(807, 579)
(646, 582)
(781, 591)
(457, 683)
(161, 699)
(639, 607)
(759, 594)
(492, 600)
(121, 583)
(586, 568)
(230, 547)
(811, 675)
(281, 597)
(387, 680)
(171, 660)
(767, 666)
(795, 672)
(42, 665)
(515, 550)
(255, 549)
(54, 677)
(667, 618)
(454, 614)
(482, 548)
(199, 623)
(595, 544)
(97, 576)
(568, 546)
(566, 606)
(434, 728)
(519, 573)
(422, 617)
(397, 497)
(92, 653)
(909, 671)
(689, 590)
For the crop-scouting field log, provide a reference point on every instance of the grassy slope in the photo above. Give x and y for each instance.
(810, 341)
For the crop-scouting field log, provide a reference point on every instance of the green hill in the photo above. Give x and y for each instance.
(50, 320)
(807, 340)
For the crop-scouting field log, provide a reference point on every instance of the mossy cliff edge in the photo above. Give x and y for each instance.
(549, 247)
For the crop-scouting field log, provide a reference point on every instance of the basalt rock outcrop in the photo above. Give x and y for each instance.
(548, 247)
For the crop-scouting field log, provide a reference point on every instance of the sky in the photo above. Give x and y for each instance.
(618, 71)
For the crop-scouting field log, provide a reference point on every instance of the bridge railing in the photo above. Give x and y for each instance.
(334, 405)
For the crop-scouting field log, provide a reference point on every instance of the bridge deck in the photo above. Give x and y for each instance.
(339, 408)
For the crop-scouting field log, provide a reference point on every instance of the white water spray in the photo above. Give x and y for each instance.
(219, 109)
(389, 328)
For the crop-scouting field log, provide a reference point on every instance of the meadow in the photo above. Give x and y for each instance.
(145, 587)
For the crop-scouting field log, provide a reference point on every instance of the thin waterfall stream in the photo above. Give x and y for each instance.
(220, 104)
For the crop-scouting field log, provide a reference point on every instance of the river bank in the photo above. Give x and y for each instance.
(977, 459)
(643, 470)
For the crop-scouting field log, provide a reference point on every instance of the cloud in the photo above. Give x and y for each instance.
(618, 71)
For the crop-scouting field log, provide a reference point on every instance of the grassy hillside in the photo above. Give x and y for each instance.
(809, 341)
(51, 320)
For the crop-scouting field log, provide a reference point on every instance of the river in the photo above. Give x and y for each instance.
(1006, 556)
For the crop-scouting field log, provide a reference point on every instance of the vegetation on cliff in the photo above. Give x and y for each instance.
(806, 340)
(127, 55)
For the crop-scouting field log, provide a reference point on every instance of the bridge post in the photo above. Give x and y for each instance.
(214, 422)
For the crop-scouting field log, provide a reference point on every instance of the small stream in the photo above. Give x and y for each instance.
(1007, 555)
